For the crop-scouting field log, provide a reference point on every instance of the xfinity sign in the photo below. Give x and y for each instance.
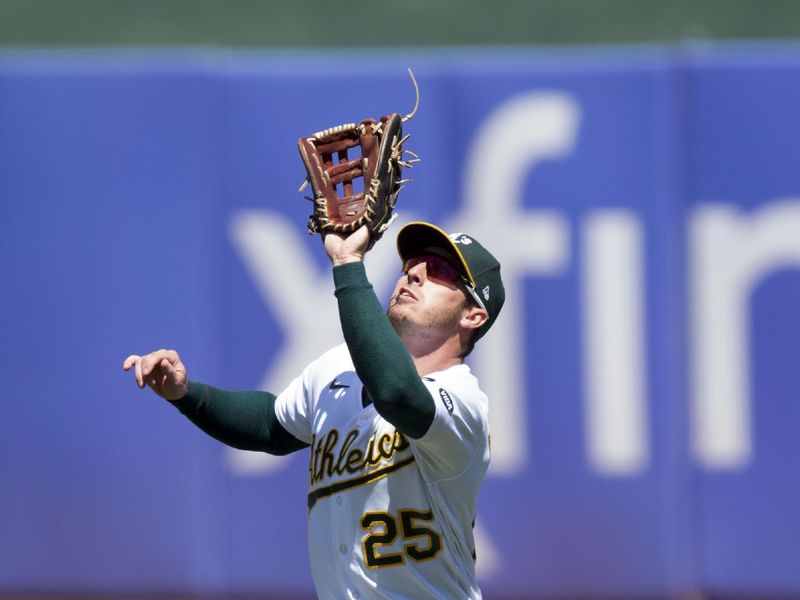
(729, 252)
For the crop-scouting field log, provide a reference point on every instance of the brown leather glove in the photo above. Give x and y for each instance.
(362, 190)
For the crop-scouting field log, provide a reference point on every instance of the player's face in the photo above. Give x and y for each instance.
(429, 295)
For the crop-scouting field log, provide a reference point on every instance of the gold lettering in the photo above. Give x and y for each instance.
(385, 446)
(400, 442)
(373, 458)
(324, 461)
(326, 464)
(355, 461)
(311, 457)
(348, 441)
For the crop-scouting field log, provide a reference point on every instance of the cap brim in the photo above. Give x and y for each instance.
(416, 236)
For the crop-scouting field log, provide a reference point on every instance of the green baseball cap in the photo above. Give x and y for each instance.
(480, 269)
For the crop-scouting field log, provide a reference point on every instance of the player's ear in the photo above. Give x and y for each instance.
(474, 317)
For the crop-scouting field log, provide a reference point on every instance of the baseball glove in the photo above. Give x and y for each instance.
(360, 190)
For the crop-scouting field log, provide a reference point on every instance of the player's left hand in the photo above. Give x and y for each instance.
(343, 249)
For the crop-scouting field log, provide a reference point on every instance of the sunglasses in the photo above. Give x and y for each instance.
(441, 271)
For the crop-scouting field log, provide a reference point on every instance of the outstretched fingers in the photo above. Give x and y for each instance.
(134, 360)
(130, 361)
(145, 366)
(161, 370)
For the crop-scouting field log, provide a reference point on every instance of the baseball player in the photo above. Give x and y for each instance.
(395, 423)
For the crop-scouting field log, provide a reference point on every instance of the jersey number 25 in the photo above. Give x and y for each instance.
(425, 543)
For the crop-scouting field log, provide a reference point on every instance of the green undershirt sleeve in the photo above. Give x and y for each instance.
(241, 419)
(380, 357)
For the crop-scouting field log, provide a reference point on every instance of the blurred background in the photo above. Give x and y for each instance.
(633, 164)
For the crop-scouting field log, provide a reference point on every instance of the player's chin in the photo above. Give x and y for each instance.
(393, 311)
(398, 316)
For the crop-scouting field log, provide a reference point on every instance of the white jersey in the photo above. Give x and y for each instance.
(389, 516)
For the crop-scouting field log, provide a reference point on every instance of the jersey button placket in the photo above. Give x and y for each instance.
(342, 548)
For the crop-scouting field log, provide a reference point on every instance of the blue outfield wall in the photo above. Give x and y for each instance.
(644, 202)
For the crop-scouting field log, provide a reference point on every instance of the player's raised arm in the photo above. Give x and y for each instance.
(380, 358)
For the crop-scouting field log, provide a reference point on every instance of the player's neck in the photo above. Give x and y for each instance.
(432, 357)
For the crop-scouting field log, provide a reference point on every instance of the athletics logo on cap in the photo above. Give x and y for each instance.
(460, 238)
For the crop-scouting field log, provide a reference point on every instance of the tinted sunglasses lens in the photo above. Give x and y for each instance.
(411, 263)
(440, 269)
(435, 268)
